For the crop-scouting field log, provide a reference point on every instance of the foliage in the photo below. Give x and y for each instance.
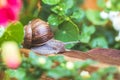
(56, 67)
(68, 18)
(69, 22)
(111, 5)
(14, 32)
(64, 17)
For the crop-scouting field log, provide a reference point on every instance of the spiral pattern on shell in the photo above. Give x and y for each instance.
(37, 32)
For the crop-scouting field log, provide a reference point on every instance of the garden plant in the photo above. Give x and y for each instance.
(83, 24)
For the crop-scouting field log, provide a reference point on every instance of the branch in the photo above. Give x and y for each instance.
(105, 57)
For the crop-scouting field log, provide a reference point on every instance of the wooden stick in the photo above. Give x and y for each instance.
(78, 56)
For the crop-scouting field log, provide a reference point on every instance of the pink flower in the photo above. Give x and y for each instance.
(9, 10)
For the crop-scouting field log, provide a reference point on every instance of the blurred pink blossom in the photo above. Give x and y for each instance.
(9, 11)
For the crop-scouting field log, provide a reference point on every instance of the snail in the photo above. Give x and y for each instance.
(40, 38)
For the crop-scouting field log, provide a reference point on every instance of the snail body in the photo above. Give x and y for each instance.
(50, 47)
(39, 38)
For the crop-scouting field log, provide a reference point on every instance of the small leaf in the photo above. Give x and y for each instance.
(78, 15)
(35, 61)
(99, 42)
(47, 64)
(57, 58)
(94, 17)
(84, 38)
(84, 64)
(110, 77)
(14, 32)
(58, 72)
(62, 8)
(33, 58)
(95, 76)
(55, 20)
(89, 30)
(104, 71)
(18, 73)
(68, 3)
(51, 2)
(67, 32)
(101, 3)
(86, 33)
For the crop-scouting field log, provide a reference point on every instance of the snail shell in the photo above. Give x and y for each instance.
(39, 38)
(37, 32)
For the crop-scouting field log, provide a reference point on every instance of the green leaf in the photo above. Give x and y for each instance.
(6, 76)
(107, 70)
(89, 29)
(62, 8)
(14, 32)
(99, 42)
(58, 72)
(24, 19)
(57, 58)
(84, 64)
(95, 76)
(78, 15)
(101, 3)
(51, 2)
(84, 38)
(67, 32)
(110, 77)
(94, 17)
(33, 58)
(68, 3)
(46, 63)
(55, 20)
(18, 73)
(86, 33)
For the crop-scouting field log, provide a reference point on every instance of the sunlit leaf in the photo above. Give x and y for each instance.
(18, 73)
(58, 72)
(57, 58)
(68, 3)
(94, 17)
(55, 20)
(78, 15)
(35, 60)
(51, 2)
(63, 7)
(86, 33)
(67, 32)
(14, 32)
(99, 42)
(84, 64)
(101, 3)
